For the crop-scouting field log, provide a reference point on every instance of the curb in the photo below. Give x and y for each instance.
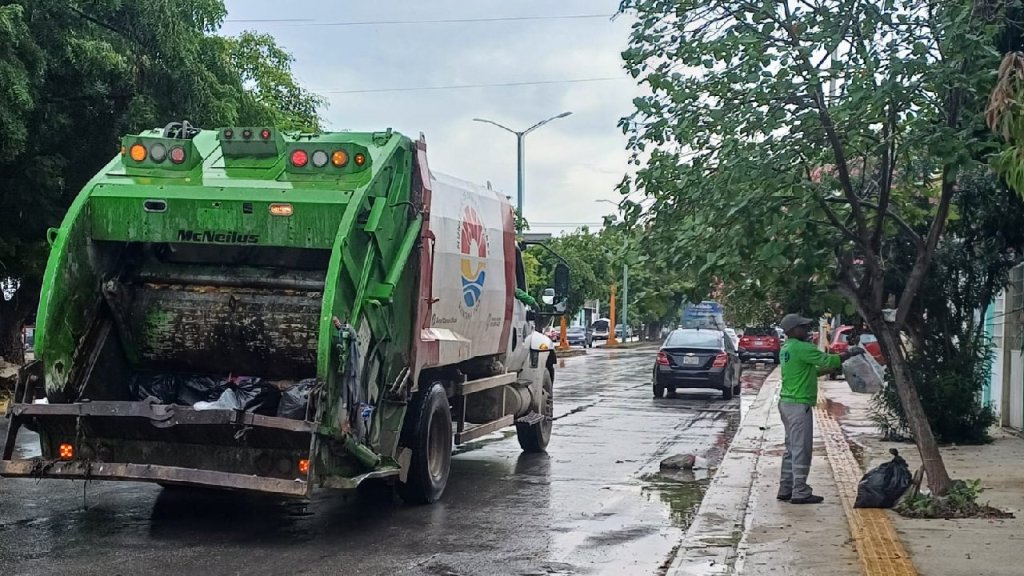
(711, 543)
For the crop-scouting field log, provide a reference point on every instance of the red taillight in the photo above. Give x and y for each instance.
(265, 134)
(177, 155)
(721, 360)
(300, 158)
(662, 359)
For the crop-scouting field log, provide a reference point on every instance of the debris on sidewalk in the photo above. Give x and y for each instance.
(684, 462)
(960, 502)
(882, 486)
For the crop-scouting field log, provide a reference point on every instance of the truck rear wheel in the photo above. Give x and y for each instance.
(535, 437)
(428, 432)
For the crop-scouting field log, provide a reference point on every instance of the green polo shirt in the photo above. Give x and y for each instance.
(801, 363)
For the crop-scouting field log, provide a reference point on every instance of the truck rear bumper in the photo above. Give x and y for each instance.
(140, 442)
(87, 470)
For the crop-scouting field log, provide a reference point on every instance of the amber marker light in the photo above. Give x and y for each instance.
(281, 210)
(66, 451)
(339, 158)
(138, 152)
(303, 466)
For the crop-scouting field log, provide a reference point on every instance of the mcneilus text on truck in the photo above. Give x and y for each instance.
(251, 309)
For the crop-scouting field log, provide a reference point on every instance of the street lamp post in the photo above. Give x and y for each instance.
(521, 153)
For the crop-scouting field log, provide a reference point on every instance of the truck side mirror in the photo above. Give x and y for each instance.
(561, 282)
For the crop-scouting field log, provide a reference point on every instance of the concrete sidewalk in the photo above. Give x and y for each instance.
(949, 547)
(741, 529)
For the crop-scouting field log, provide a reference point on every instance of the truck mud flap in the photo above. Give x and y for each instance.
(136, 441)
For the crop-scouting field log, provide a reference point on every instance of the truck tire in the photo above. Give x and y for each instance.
(534, 438)
(428, 432)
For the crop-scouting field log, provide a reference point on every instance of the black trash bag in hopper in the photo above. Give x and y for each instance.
(294, 400)
(192, 389)
(247, 394)
(181, 389)
(160, 387)
(882, 486)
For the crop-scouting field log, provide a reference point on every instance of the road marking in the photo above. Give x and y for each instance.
(878, 545)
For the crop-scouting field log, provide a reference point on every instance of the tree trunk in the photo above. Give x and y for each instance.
(931, 458)
(13, 314)
(654, 331)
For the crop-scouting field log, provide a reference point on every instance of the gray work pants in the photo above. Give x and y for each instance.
(798, 420)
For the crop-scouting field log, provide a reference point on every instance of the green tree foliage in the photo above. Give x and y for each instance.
(792, 143)
(77, 75)
(596, 261)
(952, 355)
(587, 263)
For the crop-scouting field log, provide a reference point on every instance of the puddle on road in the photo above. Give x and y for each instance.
(484, 441)
(682, 491)
(752, 380)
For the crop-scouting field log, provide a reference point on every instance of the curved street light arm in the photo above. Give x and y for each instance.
(543, 122)
(493, 123)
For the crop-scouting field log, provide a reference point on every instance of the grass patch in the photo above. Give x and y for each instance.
(960, 502)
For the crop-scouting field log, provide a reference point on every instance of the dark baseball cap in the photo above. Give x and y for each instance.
(793, 320)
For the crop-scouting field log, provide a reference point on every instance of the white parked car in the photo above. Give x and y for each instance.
(735, 337)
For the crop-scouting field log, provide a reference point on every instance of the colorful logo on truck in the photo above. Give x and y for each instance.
(473, 247)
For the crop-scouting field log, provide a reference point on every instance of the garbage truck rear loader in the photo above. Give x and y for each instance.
(256, 310)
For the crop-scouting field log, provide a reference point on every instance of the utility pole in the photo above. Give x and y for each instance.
(625, 301)
(521, 154)
(612, 341)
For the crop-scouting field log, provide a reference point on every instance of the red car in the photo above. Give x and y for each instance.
(868, 341)
(760, 344)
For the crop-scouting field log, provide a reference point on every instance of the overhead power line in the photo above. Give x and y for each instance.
(315, 22)
(467, 86)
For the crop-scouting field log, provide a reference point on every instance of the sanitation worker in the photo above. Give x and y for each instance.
(801, 363)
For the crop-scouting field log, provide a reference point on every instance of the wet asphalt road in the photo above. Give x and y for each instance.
(595, 504)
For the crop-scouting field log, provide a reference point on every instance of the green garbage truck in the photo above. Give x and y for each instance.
(253, 309)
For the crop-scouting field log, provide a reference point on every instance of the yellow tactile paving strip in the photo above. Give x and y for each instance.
(878, 545)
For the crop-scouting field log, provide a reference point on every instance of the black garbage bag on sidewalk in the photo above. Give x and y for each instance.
(295, 399)
(883, 486)
(248, 394)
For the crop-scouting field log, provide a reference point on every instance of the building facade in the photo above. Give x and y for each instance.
(1004, 324)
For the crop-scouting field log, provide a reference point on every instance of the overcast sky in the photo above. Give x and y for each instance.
(570, 163)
